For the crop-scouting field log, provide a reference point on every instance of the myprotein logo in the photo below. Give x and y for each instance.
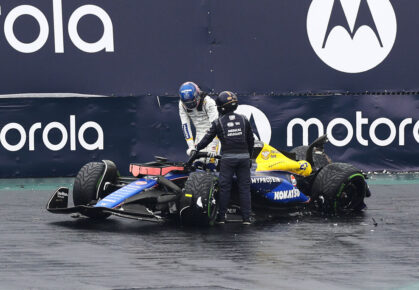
(259, 121)
(106, 42)
(266, 179)
(400, 130)
(28, 138)
(352, 36)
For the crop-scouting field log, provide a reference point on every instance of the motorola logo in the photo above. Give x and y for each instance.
(31, 138)
(259, 121)
(352, 36)
(106, 42)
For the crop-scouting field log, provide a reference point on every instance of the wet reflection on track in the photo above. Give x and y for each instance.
(374, 250)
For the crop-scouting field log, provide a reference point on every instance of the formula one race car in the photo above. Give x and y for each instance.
(159, 191)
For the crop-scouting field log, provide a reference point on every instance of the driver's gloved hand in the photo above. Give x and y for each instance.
(191, 151)
(211, 154)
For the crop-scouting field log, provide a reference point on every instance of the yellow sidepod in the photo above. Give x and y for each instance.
(270, 159)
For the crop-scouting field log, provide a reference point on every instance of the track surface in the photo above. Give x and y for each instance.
(376, 250)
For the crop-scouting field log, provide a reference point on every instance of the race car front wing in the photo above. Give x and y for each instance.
(58, 204)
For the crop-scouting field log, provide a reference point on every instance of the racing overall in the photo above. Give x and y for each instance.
(236, 136)
(202, 117)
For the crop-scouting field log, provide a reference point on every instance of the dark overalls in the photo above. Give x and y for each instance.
(236, 137)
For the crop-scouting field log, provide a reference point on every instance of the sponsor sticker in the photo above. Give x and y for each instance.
(141, 183)
(303, 166)
(232, 210)
(62, 194)
(286, 194)
(293, 180)
(273, 165)
(266, 179)
(265, 154)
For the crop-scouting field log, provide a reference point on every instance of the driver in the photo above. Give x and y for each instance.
(195, 106)
(236, 136)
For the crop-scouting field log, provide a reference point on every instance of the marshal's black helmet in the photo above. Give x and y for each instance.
(226, 102)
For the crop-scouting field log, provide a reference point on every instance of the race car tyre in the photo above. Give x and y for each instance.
(339, 188)
(87, 182)
(320, 159)
(198, 204)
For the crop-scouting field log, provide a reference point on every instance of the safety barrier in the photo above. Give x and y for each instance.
(56, 136)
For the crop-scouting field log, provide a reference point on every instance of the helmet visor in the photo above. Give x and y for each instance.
(191, 104)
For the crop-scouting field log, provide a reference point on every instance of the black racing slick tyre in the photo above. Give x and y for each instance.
(320, 158)
(198, 206)
(86, 185)
(340, 188)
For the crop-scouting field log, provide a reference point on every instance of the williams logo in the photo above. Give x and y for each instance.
(352, 36)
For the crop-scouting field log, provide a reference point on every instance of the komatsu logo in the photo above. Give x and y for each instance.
(286, 194)
(29, 139)
(352, 36)
(106, 42)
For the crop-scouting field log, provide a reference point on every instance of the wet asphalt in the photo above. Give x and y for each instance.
(378, 249)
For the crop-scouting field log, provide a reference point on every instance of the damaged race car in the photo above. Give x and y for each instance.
(304, 179)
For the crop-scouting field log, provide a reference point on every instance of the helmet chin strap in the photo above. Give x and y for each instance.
(198, 101)
(224, 111)
(220, 110)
